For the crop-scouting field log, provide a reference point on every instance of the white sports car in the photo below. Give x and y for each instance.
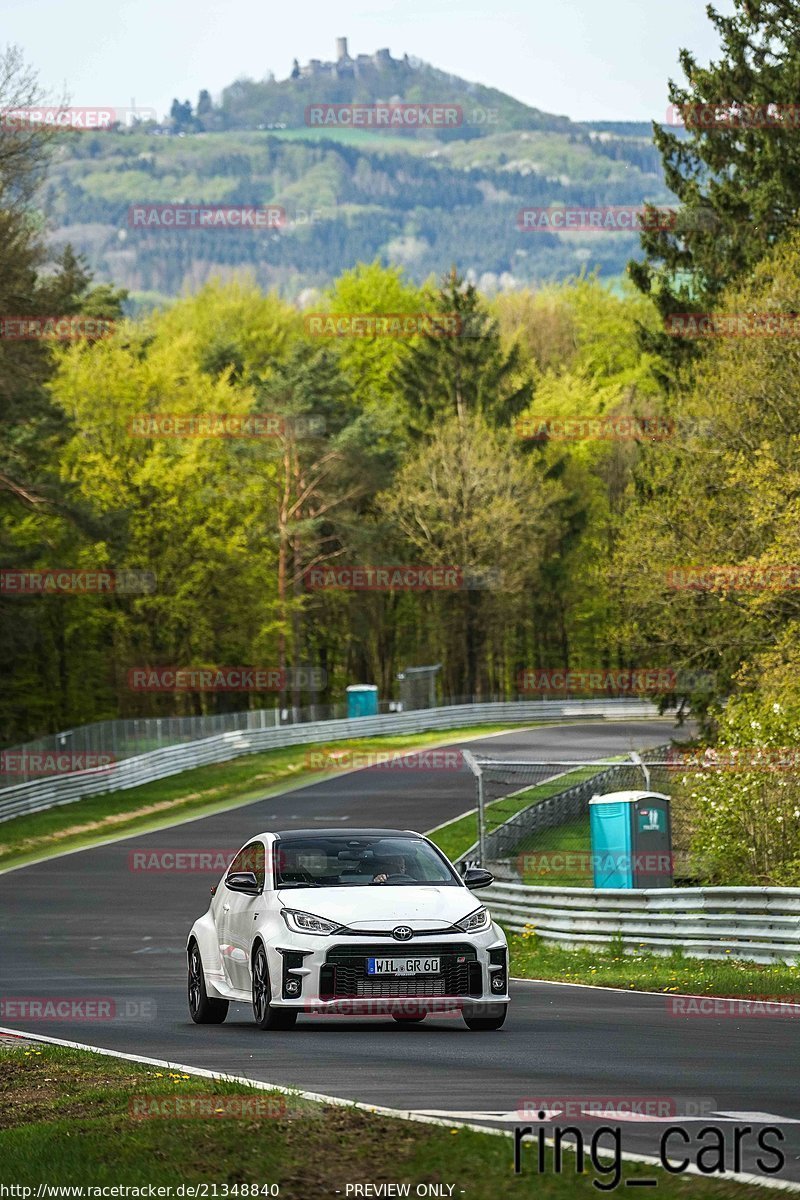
(367, 921)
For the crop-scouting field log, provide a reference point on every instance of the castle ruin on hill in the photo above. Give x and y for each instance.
(346, 67)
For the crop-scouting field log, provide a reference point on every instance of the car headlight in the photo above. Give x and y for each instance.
(477, 920)
(303, 922)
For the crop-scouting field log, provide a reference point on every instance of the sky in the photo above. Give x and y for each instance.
(586, 59)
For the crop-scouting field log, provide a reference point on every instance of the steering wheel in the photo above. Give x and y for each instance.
(392, 878)
(297, 875)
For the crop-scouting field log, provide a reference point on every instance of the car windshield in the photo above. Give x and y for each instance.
(359, 862)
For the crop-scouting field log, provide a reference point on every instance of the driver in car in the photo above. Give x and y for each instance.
(392, 866)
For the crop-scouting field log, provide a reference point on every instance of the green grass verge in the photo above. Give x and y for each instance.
(572, 838)
(68, 1120)
(533, 958)
(191, 793)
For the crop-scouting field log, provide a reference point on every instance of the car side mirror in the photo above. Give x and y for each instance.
(243, 881)
(476, 877)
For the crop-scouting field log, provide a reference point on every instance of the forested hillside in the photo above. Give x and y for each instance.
(424, 199)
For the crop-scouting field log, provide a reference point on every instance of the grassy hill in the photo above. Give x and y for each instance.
(426, 199)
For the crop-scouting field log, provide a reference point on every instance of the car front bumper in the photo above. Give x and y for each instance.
(320, 975)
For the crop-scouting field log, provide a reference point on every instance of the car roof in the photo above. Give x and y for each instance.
(289, 835)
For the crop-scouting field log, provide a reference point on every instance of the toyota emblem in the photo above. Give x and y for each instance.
(402, 933)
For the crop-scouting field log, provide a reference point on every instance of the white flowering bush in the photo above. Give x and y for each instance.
(744, 797)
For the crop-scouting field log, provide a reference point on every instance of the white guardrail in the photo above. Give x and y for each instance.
(760, 924)
(48, 792)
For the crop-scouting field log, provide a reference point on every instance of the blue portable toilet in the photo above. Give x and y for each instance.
(362, 700)
(631, 840)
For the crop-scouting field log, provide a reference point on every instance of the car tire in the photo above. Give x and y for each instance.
(485, 1017)
(266, 1016)
(202, 1008)
(401, 1020)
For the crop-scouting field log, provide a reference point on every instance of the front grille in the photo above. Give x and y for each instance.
(417, 985)
(344, 974)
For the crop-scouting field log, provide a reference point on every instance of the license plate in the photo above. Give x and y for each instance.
(403, 966)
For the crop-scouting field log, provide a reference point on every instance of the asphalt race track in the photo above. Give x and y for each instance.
(88, 925)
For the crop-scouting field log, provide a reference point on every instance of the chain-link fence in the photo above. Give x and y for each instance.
(418, 687)
(104, 743)
(521, 805)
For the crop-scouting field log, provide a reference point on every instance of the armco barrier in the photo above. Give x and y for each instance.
(39, 794)
(758, 924)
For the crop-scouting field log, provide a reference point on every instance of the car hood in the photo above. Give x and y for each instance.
(379, 908)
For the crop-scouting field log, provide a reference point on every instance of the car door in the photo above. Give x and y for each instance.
(240, 913)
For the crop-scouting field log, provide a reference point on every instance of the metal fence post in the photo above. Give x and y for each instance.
(637, 758)
(475, 768)
(481, 821)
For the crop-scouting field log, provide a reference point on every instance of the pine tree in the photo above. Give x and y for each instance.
(464, 372)
(735, 168)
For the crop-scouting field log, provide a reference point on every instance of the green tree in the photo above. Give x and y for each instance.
(371, 364)
(181, 115)
(42, 520)
(454, 507)
(197, 511)
(581, 342)
(726, 493)
(736, 178)
(742, 798)
(330, 463)
(467, 373)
